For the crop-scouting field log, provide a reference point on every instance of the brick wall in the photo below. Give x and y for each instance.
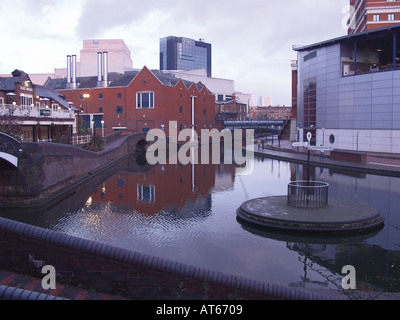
(132, 275)
(46, 170)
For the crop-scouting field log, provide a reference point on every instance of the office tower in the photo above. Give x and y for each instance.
(367, 15)
(185, 54)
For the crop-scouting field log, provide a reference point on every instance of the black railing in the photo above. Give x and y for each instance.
(312, 194)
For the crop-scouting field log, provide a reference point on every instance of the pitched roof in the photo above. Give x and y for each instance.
(44, 92)
(120, 80)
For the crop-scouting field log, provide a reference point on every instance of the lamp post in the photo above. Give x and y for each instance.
(93, 128)
(273, 131)
(358, 134)
(102, 128)
(86, 96)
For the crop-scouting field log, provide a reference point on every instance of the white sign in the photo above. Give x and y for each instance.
(309, 136)
(300, 144)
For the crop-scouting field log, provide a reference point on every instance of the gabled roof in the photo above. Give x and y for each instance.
(121, 80)
(8, 83)
(44, 92)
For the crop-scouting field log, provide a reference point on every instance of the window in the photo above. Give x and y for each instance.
(377, 17)
(119, 95)
(145, 100)
(180, 109)
(310, 56)
(391, 17)
(100, 96)
(120, 109)
(146, 193)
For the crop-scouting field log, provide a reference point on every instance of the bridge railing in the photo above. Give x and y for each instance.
(253, 122)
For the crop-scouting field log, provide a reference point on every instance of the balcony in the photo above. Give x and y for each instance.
(12, 110)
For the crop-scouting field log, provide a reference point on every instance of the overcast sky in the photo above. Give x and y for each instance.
(251, 40)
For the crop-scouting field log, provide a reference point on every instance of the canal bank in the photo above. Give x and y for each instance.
(385, 164)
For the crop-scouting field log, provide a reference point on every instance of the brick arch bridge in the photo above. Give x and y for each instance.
(40, 171)
(9, 149)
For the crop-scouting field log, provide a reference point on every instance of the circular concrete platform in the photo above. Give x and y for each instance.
(340, 216)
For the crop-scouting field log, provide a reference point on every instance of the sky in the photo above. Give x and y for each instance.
(251, 40)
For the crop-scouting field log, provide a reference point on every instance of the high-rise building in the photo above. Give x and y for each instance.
(373, 14)
(185, 54)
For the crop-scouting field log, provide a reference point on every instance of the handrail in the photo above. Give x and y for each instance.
(34, 112)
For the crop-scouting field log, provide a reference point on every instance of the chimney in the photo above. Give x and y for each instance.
(73, 72)
(68, 70)
(105, 69)
(99, 69)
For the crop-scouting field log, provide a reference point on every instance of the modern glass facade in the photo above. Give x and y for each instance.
(185, 54)
(348, 92)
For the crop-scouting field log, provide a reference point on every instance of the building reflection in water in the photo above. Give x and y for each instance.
(188, 213)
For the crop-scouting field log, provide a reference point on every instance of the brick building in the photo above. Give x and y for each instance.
(138, 100)
(33, 113)
(271, 113)
(230, 110)
(367, 15)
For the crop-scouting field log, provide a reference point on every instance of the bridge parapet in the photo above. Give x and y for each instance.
(9, 149)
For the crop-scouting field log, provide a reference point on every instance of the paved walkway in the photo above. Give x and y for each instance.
(377, 162)
(21, 287)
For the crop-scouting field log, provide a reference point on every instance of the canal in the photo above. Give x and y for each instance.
(188, 214)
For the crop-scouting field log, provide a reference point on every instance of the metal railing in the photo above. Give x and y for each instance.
(79, 140)
(312, 194)
(34, 112)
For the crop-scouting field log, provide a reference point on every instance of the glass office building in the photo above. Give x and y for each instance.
(185, 54)
(348, 91)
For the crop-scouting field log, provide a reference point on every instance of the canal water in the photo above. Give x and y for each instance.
(188, 213)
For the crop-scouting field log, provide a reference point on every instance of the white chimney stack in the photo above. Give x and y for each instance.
(73, 71)
(68, 70)
(105, 69)
(99, 68)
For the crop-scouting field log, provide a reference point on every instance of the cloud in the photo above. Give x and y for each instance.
(252, 40)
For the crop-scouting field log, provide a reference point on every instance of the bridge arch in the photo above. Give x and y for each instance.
(9, 149)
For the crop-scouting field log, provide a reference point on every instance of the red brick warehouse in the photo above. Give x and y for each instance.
(138, 101)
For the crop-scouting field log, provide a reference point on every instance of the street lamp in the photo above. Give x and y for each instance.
(273, 131)
(86, 96)
(102, 128)
(358, 134)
